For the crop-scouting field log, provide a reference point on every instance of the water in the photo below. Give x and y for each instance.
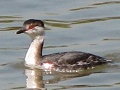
(82, 25)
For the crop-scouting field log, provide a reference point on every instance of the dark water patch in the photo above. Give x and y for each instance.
(111, 39)
(52, 14)
(117, 83)
(6, 17)
(81, 8)
(57, 23)
(62, 46)
(18, 88)
(19, 64)
(67, 24)
(95, 4)
(4, 64)
(78, 87)
(94, 20)
(93, 44)
(10, 28)
(9, 19)
(109, 2)
(10, 48)
(55, 46)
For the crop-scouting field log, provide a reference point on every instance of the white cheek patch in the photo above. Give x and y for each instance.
(39, 28)
(35, 31)
(30, 31)
(26, 27)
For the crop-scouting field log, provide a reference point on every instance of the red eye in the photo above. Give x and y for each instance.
(31, 26)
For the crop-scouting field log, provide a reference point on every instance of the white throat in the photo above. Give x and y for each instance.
(34, 53)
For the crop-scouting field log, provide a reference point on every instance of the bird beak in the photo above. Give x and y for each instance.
(20, 31)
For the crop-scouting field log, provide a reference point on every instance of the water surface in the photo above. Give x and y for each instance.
(79, 25)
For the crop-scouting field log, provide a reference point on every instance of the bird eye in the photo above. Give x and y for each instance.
(31, 26)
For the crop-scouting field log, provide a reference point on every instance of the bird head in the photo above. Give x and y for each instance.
(33, 28)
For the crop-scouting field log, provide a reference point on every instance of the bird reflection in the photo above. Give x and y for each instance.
(34, 79)
(37, 78)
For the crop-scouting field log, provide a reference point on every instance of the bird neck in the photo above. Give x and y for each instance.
(34, 53)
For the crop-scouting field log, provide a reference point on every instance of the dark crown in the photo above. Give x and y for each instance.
(34, 22)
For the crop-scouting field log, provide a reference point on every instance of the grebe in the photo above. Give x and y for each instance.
(64, 61)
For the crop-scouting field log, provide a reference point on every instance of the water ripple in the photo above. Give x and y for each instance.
(95, 4)
(67, 24)
(104, 3)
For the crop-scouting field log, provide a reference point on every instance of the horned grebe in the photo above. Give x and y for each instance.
(64, 61)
